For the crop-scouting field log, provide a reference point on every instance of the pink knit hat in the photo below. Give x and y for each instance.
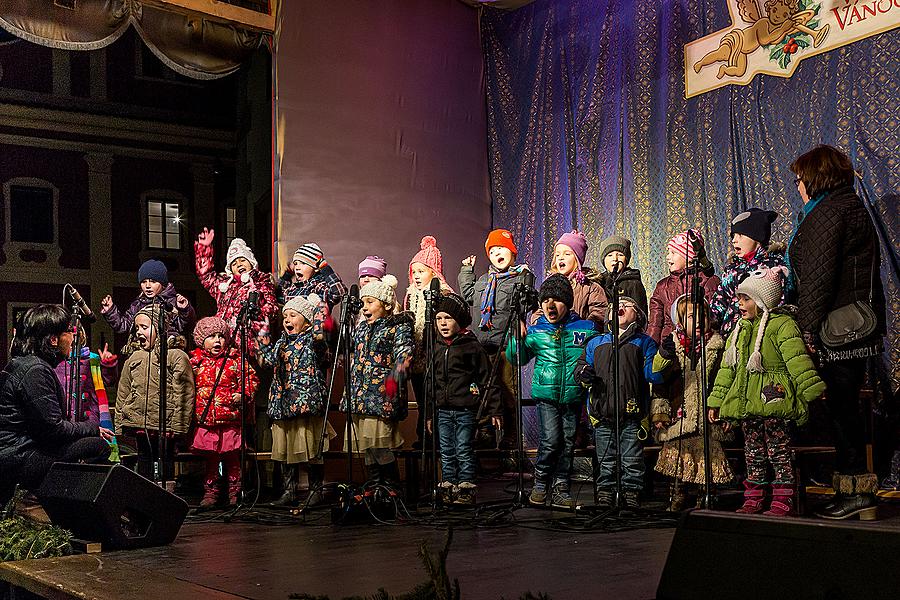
(577, 242)
(209, 325)
(680, 244)
(430, 256)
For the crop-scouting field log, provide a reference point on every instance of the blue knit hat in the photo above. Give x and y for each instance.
(155, 270)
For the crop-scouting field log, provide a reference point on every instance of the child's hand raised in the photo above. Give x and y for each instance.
(264, 339)
(107, 357)
(106, 304)
(181, 302)
(206, 237)
(469, 261)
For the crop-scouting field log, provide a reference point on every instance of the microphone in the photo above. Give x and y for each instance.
(353, 303)
(616, 268)
(528, 279)
(699, 251)
(87, 315)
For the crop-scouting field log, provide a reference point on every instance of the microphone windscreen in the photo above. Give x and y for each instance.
(528, 278)
(435, 284)
(354, 291)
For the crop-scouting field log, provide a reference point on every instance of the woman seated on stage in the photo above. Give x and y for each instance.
(33, 430)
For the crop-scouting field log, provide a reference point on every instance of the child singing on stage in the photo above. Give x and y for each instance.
(615, 252)
(138, 397)
(298, 397)
(679, 422)
(556, 341)
(311, 274)
(382, 352)
(568, 260)
(766, 381)
(153, 279)
(231, 290)
(217, 379)
(461, 372)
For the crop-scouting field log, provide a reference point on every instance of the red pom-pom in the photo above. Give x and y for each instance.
(390, 387)
(428, 242)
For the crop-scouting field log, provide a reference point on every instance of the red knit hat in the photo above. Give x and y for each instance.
(680, 244)
(500, 237)
(430, 256)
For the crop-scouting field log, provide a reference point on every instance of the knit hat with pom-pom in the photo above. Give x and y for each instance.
(430, 256)
(384, 290)
(239, 249)
(208, 326)
(305, 306)
(764, 286)
(577, 242)
(681, 244)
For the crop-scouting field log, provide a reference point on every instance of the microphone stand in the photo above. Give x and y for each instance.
(73, 385)
(698, 301)
(162, 443)
(430, 404)
(248, 311)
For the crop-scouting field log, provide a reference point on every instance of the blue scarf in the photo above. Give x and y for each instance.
(489, 296)
(804, 212)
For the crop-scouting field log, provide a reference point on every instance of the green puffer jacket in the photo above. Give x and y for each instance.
(785, 388)
(557, 348)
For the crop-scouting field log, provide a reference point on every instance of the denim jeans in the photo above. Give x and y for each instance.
(558, 423)
(632, 455)
(456, 431)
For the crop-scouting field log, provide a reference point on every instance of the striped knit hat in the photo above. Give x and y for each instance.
(373, 266)
(681, 245)
(311, 255)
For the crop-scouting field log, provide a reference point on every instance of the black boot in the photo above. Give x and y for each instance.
(289, 486)
(854, 495)
(316, 481)
(374, 473)
(390, 475)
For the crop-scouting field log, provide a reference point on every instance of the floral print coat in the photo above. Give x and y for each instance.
(382, 352)
(724, 303)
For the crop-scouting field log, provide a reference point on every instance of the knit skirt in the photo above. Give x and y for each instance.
(297, 440)
(682, 459)
(374, 432)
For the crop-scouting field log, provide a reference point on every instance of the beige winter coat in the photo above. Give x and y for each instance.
(690, 401)
(137, 403)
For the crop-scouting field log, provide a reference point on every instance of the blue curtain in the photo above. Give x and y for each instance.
(589, 128)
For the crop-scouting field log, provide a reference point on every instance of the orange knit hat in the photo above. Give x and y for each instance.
(500, 237)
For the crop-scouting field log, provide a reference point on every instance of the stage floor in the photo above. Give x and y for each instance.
(540, 551)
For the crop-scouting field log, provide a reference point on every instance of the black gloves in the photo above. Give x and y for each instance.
(667, 348)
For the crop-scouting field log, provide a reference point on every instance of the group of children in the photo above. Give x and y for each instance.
(758, 372)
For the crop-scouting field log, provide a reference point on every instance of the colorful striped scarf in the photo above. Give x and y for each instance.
(489, 296)
(103, 404)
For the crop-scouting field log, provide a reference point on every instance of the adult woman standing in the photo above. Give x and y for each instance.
(33, 431)
(835, 261)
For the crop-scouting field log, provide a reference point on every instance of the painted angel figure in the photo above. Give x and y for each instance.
(780, 19)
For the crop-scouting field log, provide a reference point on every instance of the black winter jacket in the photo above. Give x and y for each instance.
(32, 412)
(461, 373)
(629, 284)
(832, 255)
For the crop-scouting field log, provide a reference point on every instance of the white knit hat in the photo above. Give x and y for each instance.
(305, 306)
(384, 290)
(239, 249)
(765, 287)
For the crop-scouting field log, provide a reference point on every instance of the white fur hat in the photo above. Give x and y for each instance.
(239, 249)
(305, 306)
(384, 290)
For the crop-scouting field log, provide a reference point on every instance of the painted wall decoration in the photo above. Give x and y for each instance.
(773, 36)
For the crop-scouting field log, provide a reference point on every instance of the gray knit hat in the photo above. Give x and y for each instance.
(384, 290)
(616, 243)
(305, 306)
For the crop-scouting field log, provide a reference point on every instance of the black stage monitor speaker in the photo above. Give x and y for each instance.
(112, 505)
(725, 556)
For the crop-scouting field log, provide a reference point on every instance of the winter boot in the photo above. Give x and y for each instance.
(561, 498)
(465, 494)
(754, 495)
(210, 493)
(605, 498)
(854, 495)
(390, 475)
(631, 499)
(446, 493)
(316, 482)
(677, 498)
(373, 472)
(234, 490)
(891, 483)
(782, 504)
(289, 486)
(538, 494)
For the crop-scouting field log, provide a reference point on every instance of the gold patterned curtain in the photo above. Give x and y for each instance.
(191, 45)
(589, 128)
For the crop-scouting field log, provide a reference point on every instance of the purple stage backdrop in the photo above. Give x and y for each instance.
(380, 132)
